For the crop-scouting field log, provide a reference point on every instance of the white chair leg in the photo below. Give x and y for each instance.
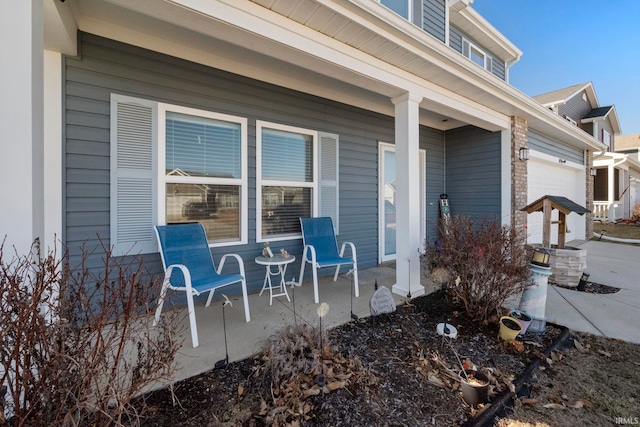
(192, 320)
(163, 294)
(315, 283)
(210, 297)
(335, 276)
(302, 265)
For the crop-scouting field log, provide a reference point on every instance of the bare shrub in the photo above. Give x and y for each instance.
(489, 260)
(636, 212)
(77, 346)
(292, 358)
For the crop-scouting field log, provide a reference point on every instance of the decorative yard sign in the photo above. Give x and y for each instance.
(382, 302)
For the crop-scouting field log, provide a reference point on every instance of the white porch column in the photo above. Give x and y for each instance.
(611, 197)
(21, 124)
(408, 240)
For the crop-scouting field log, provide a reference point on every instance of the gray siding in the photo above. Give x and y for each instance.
(587, 127)
(434, 17)
(575, 108)
(455, 42)
(473, 172)
(433, 141)
(106, 67)
(544, 144)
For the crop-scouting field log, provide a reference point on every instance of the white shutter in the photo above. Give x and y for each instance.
(329, 197)
(489, 64)
(133, 175)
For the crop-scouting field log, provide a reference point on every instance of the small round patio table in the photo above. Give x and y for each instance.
(280, 263)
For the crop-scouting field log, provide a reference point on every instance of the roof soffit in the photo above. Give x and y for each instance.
(421, 62)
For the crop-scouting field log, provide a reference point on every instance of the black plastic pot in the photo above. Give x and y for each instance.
(474, 394)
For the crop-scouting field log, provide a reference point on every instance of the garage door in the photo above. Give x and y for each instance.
(548, 178)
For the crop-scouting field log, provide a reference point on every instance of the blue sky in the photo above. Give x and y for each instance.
(566, 42)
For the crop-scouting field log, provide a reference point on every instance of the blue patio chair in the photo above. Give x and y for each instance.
(321, 250)
(189, 267)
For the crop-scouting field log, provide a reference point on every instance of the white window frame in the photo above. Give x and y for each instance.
(260, 125)
(142, 173)
(241, 182)
(570, 120)
(468, 47)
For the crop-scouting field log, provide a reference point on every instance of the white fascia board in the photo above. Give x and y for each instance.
(60, 27)
(591, 94)
(615, 122)
(487, 34)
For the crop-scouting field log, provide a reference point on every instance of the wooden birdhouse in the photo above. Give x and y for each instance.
(546, 204)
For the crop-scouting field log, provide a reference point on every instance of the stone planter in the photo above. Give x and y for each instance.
(567, 265)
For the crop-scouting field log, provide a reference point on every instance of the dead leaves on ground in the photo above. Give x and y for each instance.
(294, 362)
(441, 374)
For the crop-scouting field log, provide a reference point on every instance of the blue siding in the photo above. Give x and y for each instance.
(545, 144)
(106, 67)
(434, 17)
(433, 141)
(455, 42)
(473, 172)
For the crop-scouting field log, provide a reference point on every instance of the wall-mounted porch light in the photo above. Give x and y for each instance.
(523, 154)
(593, 171)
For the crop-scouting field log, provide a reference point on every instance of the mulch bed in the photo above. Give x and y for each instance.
(399, 376)
(591, 288)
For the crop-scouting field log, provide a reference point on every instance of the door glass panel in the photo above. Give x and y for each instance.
(388, 201)
(389, 197)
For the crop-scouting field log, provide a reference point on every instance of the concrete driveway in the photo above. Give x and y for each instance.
(612, 315)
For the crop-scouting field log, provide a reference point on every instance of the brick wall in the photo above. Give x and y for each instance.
(519, 187)
(590, 181)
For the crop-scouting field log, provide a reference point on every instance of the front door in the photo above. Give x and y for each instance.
(387, 200)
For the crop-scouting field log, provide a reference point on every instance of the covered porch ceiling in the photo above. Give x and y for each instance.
(357, 52)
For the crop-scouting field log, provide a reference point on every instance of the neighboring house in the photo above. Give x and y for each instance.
(559, 169)
(617, 184)
(244, 115)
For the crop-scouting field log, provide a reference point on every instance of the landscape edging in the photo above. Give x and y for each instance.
(505, 399)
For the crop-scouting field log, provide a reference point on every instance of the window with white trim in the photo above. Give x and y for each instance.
(296, 176)
(172, 164)
(570, 120)
(477, 55)
(204, 170)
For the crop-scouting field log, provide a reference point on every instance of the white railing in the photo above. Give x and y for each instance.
(601, 211)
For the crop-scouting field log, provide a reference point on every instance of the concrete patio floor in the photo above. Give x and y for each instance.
(608, 315)
(246, 339)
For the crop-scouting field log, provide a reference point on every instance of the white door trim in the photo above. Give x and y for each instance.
(384, 147)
